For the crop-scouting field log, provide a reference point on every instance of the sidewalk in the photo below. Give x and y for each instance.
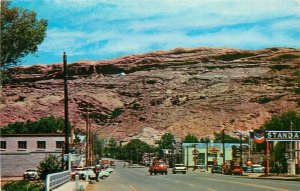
(70, 186)
(273, 176)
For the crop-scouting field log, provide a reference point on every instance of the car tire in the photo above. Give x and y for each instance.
(166, 173)
(184, 172)
(155, 173)
(174, 172)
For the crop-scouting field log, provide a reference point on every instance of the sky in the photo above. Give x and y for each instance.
(105, 29)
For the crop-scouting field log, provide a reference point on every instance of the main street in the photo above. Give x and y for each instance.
(138, 179)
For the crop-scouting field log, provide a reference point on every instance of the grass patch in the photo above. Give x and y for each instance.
(23, 185)
(264, 100)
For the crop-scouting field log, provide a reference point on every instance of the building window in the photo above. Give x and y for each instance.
(22, 145)
(41, 144)
(3, 144)
(59, 144)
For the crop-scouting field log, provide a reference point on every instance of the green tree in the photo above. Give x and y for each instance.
(135, 149)
(21, 33)
(44, 125)
(190, 139)
(227, 138)
(112, 146)
(50, 165)
(204, 140)
(283, 122)
(167, 141)
(98, 146)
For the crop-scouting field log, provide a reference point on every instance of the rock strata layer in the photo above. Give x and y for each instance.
(198, 91)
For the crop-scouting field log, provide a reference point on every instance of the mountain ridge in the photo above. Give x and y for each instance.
(198, 91)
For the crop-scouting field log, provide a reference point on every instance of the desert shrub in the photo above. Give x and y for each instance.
(151, 82)
(279, 67)
(233, 56)
(116, 113)
(251, 81)
(23, 185)
(285, 57)
(264, 100)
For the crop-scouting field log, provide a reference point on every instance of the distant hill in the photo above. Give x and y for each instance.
(197, 91)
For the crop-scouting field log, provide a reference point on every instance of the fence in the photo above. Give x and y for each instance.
(56, 179)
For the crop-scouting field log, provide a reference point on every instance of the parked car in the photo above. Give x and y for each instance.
(179, 168)
(89, 172)
(75, 171)
(103, 174)
(158, 167)
(232, 168)
(258, 168)
(31, 174)
(216, 169)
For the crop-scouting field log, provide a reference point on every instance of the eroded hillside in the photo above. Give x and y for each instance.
(181, 91)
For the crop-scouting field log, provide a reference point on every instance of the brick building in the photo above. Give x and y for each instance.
(22, 151)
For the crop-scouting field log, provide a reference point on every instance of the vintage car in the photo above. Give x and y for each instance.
(31, 174)
(216, 169)
(89, 172)
(257, 168)
(179, 168)
(158, 167)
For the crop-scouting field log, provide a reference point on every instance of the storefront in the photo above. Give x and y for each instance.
(196, 154)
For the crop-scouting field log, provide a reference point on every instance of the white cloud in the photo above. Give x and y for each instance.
(109, 27)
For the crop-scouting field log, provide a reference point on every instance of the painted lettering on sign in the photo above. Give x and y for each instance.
(283, 135)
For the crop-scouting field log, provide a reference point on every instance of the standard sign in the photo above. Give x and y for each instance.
(282, 135)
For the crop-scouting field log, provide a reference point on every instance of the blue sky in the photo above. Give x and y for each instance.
(104, 29)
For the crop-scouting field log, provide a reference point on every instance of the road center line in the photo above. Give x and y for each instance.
(131, 187)
(246, 184)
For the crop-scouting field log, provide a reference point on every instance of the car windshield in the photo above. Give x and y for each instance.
(179, 165)
(30, 170)
(256, 166)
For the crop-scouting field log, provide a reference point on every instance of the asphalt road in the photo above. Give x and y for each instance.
(138, 179)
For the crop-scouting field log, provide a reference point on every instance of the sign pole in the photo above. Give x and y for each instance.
(267, 161)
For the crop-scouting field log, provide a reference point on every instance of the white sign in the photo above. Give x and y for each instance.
(283, 135)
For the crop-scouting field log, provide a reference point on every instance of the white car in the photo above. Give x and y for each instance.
(103, 174)
(110, 170)
(258, 168)
(89, 172)
(31, 174)
(179, 168)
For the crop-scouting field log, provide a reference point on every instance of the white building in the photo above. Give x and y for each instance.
(22, 151)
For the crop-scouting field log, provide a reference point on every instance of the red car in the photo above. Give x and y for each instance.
(158, 167)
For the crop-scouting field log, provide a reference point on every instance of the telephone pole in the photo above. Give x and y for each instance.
(67, 128)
